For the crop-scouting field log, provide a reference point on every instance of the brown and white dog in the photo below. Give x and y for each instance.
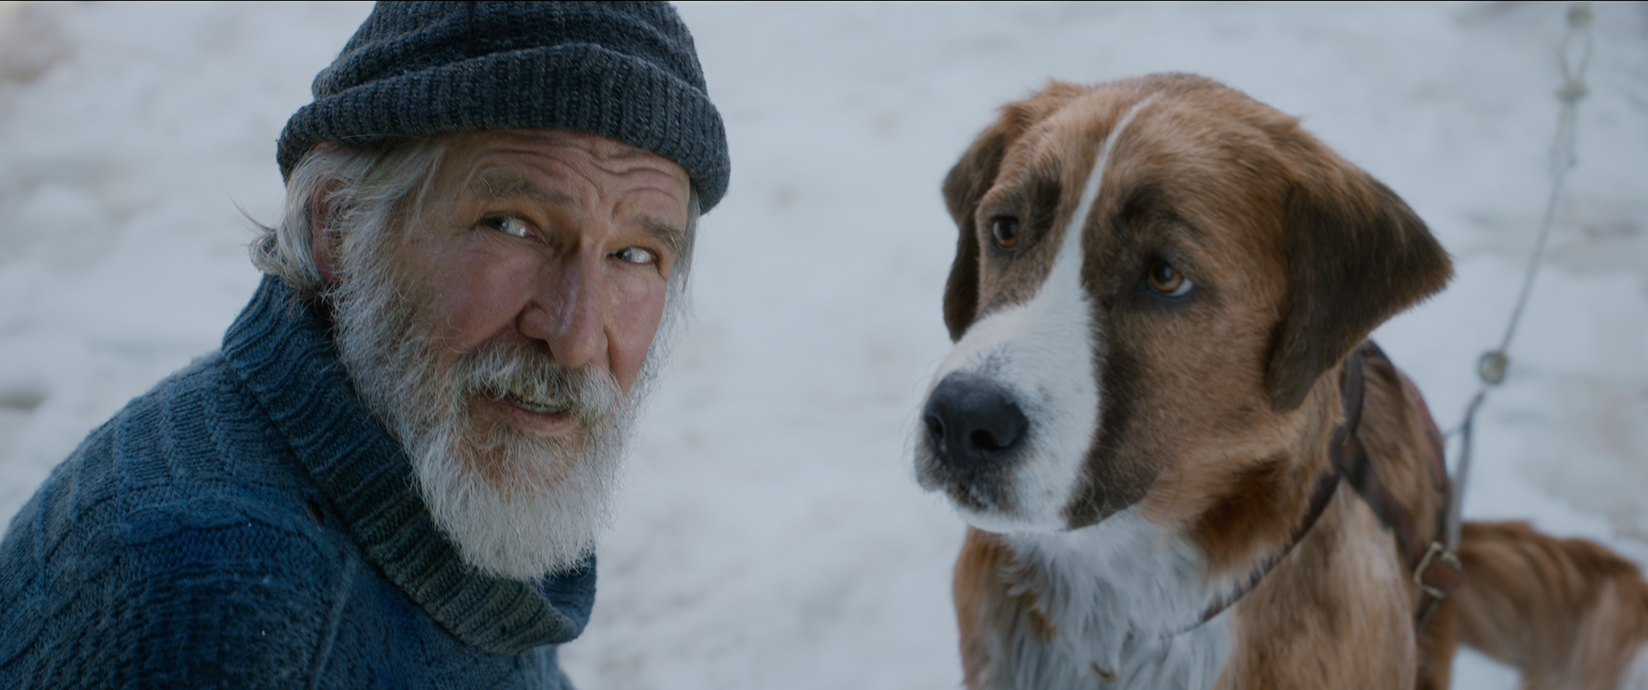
(1172, 476)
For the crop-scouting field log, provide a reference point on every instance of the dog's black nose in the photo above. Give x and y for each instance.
(972, 421)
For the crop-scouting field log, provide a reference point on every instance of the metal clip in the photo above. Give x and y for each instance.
(1437, 550)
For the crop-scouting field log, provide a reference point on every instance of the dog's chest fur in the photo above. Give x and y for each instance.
(1122, 599)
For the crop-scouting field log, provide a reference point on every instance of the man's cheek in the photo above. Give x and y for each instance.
(634, 325)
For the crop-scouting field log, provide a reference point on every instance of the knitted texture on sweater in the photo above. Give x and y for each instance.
(248, 524)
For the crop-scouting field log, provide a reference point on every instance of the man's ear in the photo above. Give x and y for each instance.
(1356, 255)
(324, 237)
(966, 185)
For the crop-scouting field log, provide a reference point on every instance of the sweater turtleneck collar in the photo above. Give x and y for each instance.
(289, 362)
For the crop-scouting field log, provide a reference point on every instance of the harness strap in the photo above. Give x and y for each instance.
(1439, 571)
(1434, 566)
(1326, 485)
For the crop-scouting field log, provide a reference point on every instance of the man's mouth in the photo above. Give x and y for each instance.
(543, 407)
(549, 407)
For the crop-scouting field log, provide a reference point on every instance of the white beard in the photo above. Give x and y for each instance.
(516, 506)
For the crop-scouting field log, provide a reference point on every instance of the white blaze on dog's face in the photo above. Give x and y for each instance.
(1126, 330)
(1036, 355)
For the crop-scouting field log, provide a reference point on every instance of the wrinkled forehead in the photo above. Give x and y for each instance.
(537, 164)
(469, 150)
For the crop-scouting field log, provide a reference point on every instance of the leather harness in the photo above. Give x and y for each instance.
(1434, 566)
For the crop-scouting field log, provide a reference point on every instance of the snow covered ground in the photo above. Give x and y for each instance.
(773, 536)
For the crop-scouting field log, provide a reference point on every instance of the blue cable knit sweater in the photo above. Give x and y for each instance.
(248, 524)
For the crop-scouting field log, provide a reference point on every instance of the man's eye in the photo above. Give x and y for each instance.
(635, 255)
(508, 225)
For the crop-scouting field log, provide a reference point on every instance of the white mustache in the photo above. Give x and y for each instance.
(529, 378)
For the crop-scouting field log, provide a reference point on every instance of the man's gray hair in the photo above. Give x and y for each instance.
(371, 189)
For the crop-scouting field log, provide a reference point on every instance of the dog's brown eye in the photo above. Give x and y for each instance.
(1167, 280)
(1005, 231)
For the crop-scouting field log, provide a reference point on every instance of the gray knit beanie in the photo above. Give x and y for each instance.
(626, 70)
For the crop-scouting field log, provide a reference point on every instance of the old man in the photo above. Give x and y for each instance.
(393, 472)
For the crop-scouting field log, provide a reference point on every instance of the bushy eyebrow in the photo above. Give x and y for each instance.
(503, 183)
(670, 235)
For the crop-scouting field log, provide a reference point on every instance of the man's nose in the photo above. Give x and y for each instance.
(567, 309)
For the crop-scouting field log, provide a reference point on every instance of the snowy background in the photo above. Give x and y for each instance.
(773, 536)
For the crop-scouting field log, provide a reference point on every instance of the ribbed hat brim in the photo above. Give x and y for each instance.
(578, 86)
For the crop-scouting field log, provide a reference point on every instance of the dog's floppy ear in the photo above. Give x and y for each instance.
(966, 184)
(1356, 255)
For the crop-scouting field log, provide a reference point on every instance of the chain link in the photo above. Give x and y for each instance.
(1574, 57)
